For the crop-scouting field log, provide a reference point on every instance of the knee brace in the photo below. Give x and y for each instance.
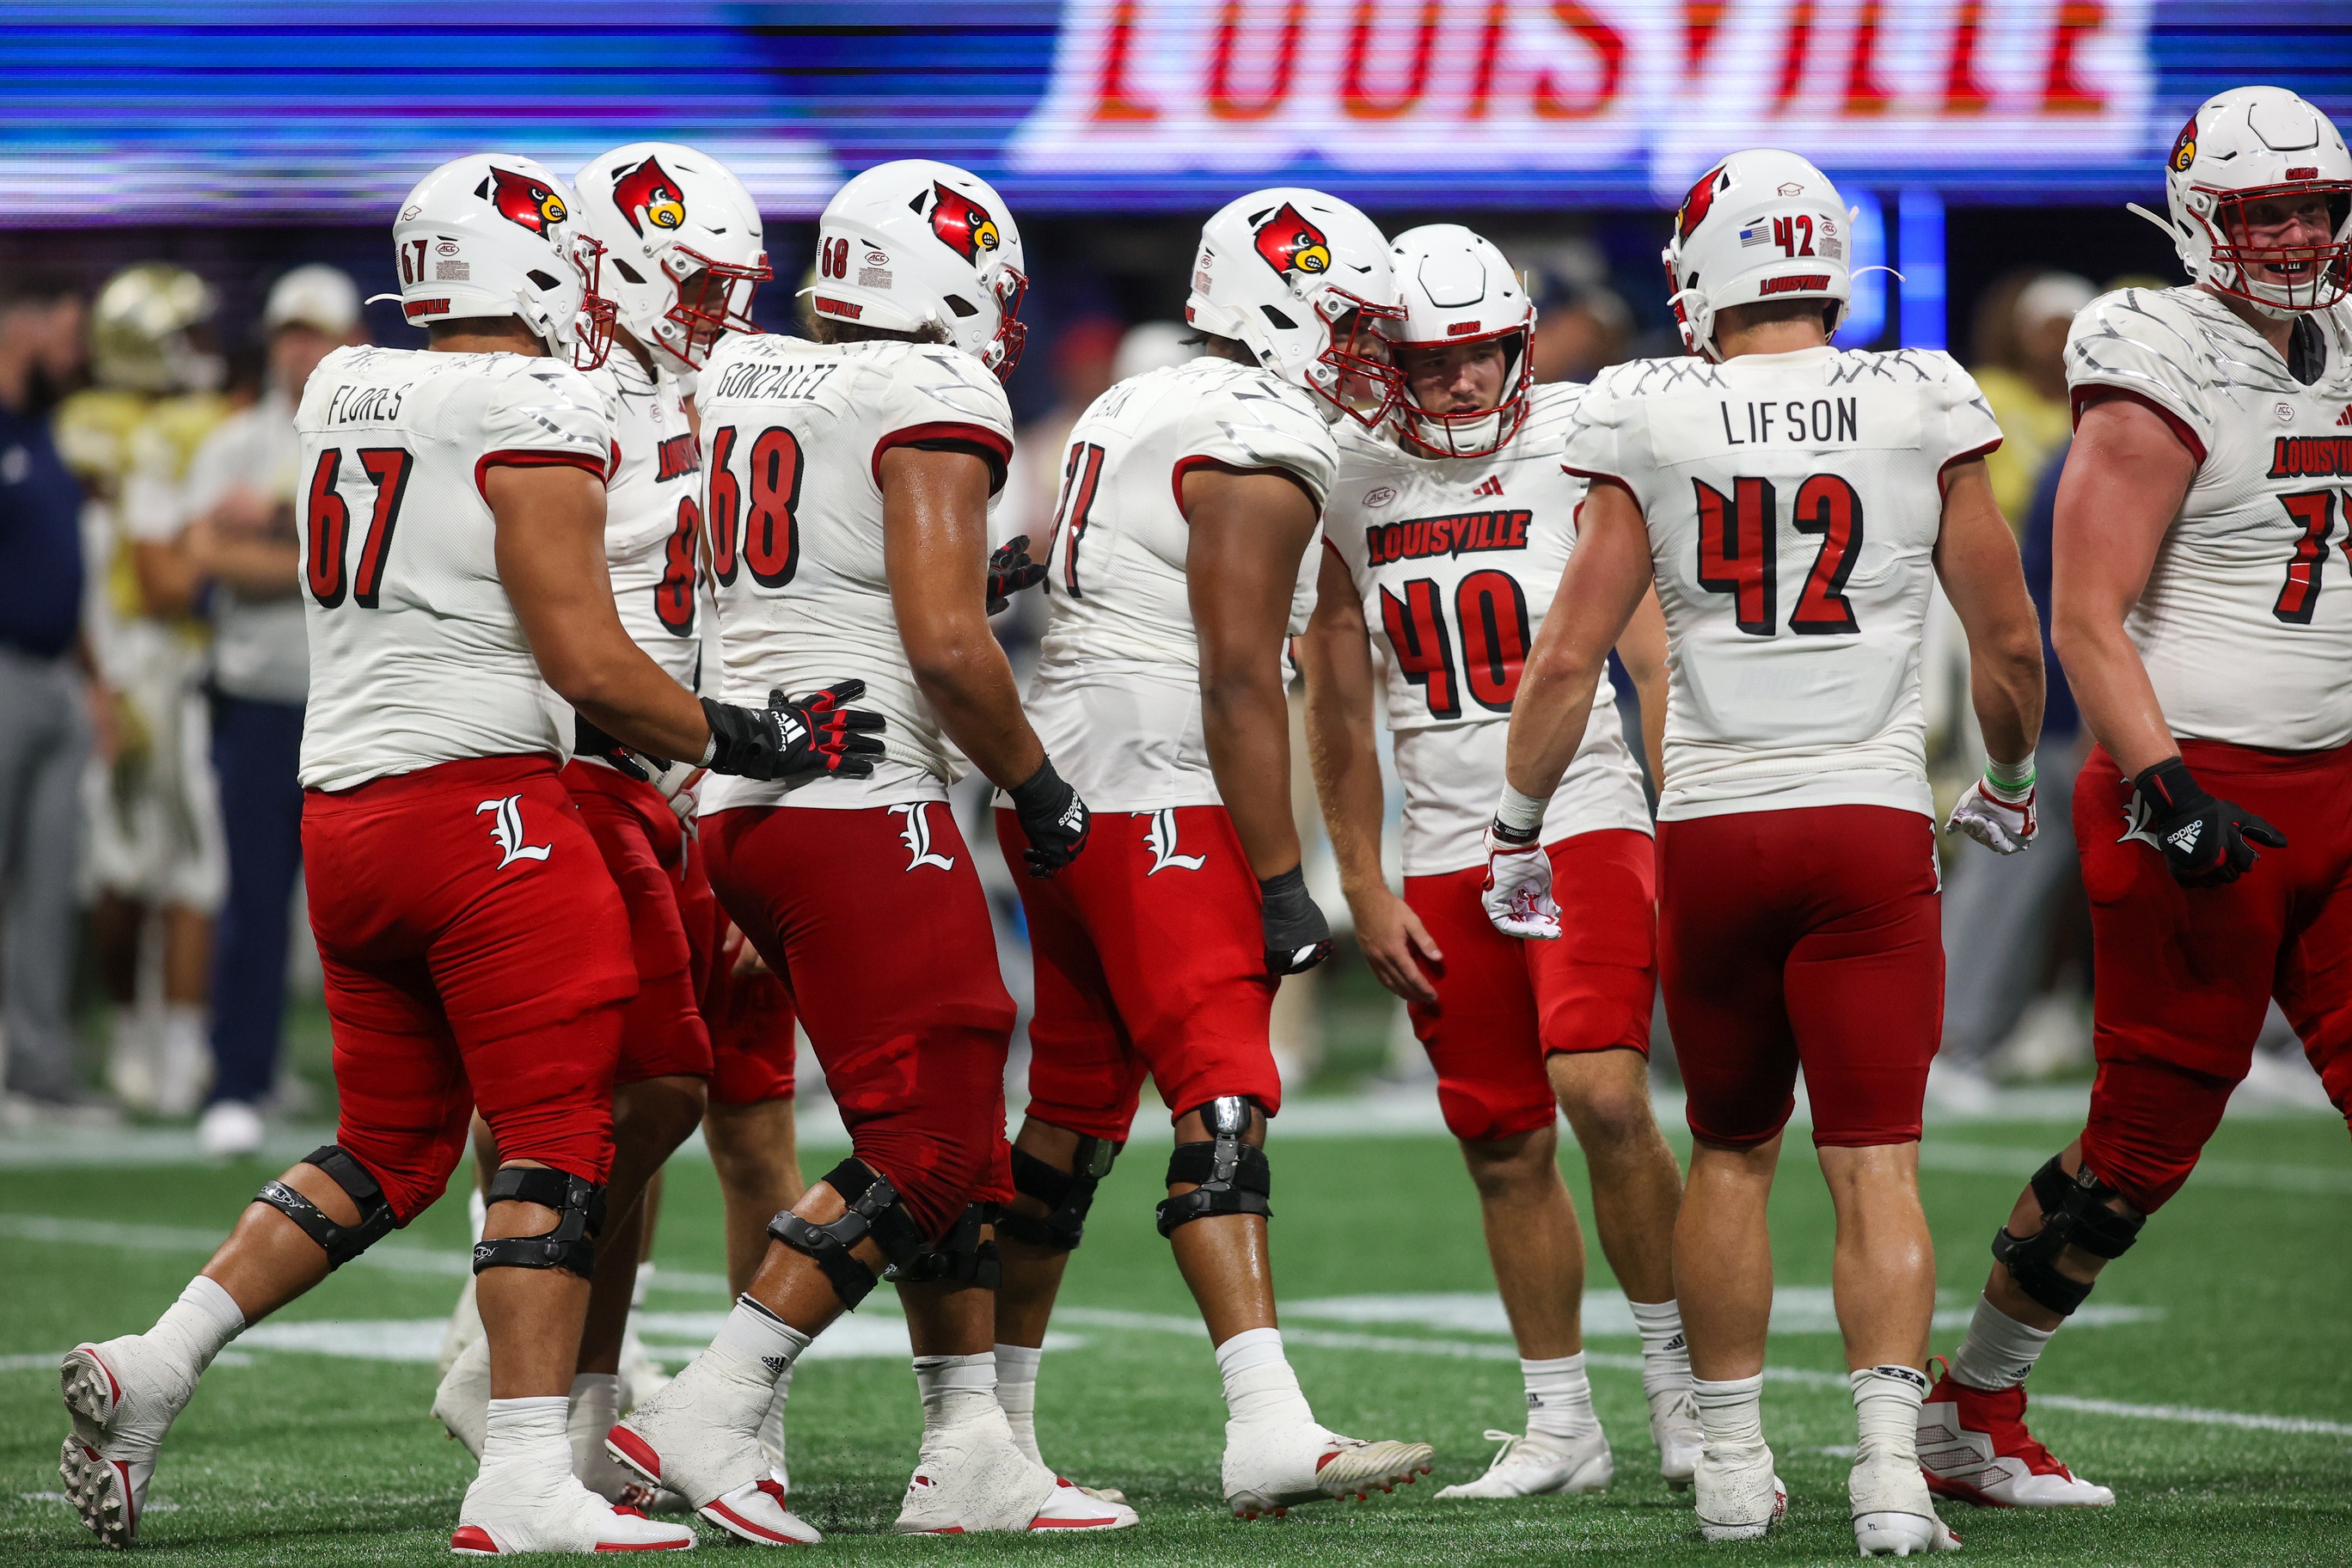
(875, 1210)
(2074, 1213)
(961, 1256)
(1069, 1194)
(1233, 1177)
(579, 1209)
(343, 1242)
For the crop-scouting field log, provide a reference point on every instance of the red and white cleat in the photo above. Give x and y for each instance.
(972, 1477)
(123, 1399)
(700, 1437)
(1974, 1447)
(499, 1519)
(1270, 1467)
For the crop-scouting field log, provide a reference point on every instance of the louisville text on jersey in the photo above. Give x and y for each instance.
(2305, 456)
(677, 457)
(1462, 533)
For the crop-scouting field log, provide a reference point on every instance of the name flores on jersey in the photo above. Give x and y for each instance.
(1460, 533)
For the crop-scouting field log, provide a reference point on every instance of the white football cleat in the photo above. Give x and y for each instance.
(1738, 1497)
(584, 1426)
(972, 1477)
(1271, 1466)
(123, 1399)
(230, 1129)
(1541, 1465)
(700, 1437)
(1974, 1446)
(465, 1328)
(462, 1402)
(1674, 1427)
(1892, 1515)
(510, 1509)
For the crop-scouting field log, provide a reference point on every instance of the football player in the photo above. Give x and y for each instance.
(477, 951)
(1443, 542)
(1181, 557)
(1789, 502)
(2206, 635)
(846, 488)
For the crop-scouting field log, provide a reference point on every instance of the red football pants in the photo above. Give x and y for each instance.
(643, 846)
(876, 920)
(1504, 1004)
(476, 956)
(749, 1016)
(2182, 977)
(1809, 937)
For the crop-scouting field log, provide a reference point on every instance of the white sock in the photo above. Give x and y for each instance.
(955, 1389)
(1016, 1390)
(1259, 1384)
(1665, 1353)
(1731, 1412)
(193, 1328)
(754, 1344)
(1560, 1397)
(772, 1424)
(183, 1028)
(637, 1291)
(595, 1405)
(1887, 1401)
(1998, 1351)
(527, 1434)
(477, 1211)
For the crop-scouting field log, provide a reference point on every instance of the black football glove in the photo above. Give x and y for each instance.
(814, 735)
(1297, 937)
(1053, 818)
(2206, 842)
(1010, 571)
(589, 741)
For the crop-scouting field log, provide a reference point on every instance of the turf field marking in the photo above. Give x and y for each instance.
(2256, 1176)
(2245, 1420)
(67, 1230)
(1796, 1309)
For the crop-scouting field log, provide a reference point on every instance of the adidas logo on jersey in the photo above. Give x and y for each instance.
(1491, 485)
(2344, 420)
(2184, 838)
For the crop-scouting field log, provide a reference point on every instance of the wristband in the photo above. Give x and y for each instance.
(709, 751)
(1519, 819)
(2011, 782)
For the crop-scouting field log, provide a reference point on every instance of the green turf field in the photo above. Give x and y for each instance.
(298, 1450)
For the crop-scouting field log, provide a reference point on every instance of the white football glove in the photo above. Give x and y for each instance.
(1517, 894)
(2000, 826)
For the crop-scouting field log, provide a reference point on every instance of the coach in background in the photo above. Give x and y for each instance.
(240, 537)
(45, 727)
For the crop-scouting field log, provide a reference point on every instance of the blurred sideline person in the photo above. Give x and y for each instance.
(1444, 537)
(2024, 383)
(2206, 641)
(1181, 557)
(49, 688)
(241, 492)
(155, 862)
(846, 486)
(476, 948)
(1796, 855)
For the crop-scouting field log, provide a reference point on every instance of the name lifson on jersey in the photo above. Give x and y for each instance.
(1460, 534)
(1824, 422)
(772, 380)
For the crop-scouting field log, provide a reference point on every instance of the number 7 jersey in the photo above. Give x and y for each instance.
(1793, 502)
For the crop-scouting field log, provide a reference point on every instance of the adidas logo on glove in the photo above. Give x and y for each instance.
(2185, 838)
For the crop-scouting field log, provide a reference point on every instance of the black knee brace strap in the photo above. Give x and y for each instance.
(961, 1256)
(875, 1210)
(343, 1242)
(2074, 1213)
(1069, 1194)
(579, 1209)
(1233, 1177)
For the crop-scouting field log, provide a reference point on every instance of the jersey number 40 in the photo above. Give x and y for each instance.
(1739, 552)
(1490, 614)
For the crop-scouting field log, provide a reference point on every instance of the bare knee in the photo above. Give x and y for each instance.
(658, 1112)
(1606, 1095)
(1516, 1166)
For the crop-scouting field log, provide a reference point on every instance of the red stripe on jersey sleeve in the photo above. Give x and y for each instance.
(1189, 465)
(523, 458)
(990, 446)
(1596, 477)
(1949, 463)
(2084, 396)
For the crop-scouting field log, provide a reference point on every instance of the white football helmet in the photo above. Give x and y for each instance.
(1457, 289)
(683, 249)
(1762, 224)
(493, 235)
(2251, 144)
(1303, 280)
(915, 245)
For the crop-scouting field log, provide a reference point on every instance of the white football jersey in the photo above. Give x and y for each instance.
(1794, 501)
(1116, 696)
(1457, 560)
(416, 656)
(792, 437)
(653, 514)
(2245, 624)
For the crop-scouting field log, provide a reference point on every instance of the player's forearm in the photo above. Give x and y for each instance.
(615, 687)
(1245, 720)
(256, 568)
(2112, 690)
(1346, 767)
(2005, 684)
(969, 683)
(1548, 719)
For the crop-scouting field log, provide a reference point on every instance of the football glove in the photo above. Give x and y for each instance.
(1010, 571)
(677, 781)
(1518, 891)
(1053, 818)
(2002, 825)
(798, 739)
(1297, 937)
(2205, 842)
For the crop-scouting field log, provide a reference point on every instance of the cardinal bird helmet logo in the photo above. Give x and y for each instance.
(646, 195)
(523, 200)
(962, 225)
(1290, 243)
(1694, 206)
(2184, 147)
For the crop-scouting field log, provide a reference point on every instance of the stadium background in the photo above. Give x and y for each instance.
(1983, 140)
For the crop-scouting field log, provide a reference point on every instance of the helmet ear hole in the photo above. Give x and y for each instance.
(961, 306)
(1281, 322)
(541, 279)
(625, 270)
